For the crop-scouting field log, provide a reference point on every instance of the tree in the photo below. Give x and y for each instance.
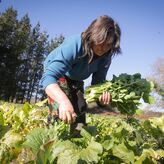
(11, 46)
(40, 42)
(157, 77)
(54, 43)
(22, 52)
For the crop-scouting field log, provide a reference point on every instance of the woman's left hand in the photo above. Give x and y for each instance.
(105, 98)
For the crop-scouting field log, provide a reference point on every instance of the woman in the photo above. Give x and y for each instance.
(75, 60)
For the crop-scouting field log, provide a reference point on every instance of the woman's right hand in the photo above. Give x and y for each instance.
(66, 112)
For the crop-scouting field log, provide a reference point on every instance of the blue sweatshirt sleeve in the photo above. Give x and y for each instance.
(100, 75)
(59, 61)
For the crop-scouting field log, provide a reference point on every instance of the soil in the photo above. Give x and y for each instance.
(93, 108)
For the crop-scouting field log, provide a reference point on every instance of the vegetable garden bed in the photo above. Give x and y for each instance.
(26, 138)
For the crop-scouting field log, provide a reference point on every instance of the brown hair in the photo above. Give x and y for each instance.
(97, 33)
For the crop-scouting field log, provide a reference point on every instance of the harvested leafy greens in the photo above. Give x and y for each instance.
(126, 91)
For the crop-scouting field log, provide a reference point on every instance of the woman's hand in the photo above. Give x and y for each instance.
(105, 98)
(66, 112)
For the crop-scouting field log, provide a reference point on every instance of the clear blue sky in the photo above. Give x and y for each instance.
(141, 22)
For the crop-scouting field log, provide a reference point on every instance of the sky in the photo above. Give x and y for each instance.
(141, 23)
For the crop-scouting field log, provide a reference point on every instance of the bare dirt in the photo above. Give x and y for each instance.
(93, 108)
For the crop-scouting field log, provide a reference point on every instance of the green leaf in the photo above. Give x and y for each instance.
(41, 103)
(3, 130)
(127, 97)
(27, 108)
(138, 139)
(44, 153)
(122, 152)
(85, 134)
(139, 112)
(148, 155)
(146, 97)
(132, 94)
(35, 139)
(123, 90)
(12, 139)
(61, 146)
(151, 100)
(120, 100)
(158, 122)
(151, 85)
(5, 155)
(91, 130)
(69, 157)
(91, 153)
(1, 119)
(160, 152)
(108, 144)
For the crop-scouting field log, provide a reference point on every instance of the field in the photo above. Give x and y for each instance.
(93, 108)
(108, 138)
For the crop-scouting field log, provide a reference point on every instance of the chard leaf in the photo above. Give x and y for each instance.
(85, 134)
(12, 139)
(122, 152)
(35, 139)
(61, 146)
(108, 144)
(27, 108)
(92, 152)
(151, 100)
(41, 103)
(1, 119)
(69, 157)
(44, 153)
(150, 155)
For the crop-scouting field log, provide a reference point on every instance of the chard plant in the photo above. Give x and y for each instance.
(126, 91)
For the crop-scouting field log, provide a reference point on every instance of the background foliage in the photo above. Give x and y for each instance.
(23, 49)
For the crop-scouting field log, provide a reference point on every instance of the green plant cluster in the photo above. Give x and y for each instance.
(126, 91)
(104, 140)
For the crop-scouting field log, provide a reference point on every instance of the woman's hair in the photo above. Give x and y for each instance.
(98, 32)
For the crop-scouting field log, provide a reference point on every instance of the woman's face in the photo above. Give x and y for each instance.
(101, 49)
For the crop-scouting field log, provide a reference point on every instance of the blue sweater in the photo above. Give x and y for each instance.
(67, 60)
